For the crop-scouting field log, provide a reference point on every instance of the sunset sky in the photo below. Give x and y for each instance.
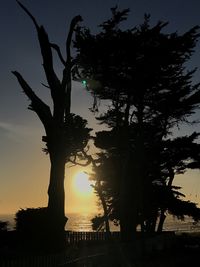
(24, 168)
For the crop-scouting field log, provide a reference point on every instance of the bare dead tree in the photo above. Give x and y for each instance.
(59, 122)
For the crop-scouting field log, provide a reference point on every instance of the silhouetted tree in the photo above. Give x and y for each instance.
(177, 156)
(66, 133)
(3, 226)
(99, 222)
(142, 72)
(108, 182)
(33, 230)
(98, 187)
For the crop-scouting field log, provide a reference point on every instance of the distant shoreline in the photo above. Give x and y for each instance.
(82, 222)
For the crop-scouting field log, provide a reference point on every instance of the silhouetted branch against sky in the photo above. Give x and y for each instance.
(19, 50)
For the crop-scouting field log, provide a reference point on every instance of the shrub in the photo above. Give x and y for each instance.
(3, 226)
(33, 228)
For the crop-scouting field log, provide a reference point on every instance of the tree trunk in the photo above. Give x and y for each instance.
(163, 210)
(56, 201)
(128, 206)
(105, 209)
(128, 212)
(128, 226)
(161, 221)
(108, 234)
(56, 186)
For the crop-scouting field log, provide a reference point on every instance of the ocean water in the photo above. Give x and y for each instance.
(79, 222)
(82, 222)
(188, 225)
(76, 221)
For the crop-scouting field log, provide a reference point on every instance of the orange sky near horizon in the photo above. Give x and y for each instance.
(80, 200)
(32, 194)
(24, 169)
(27, 182)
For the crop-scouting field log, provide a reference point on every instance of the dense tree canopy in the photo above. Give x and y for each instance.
(142, 72)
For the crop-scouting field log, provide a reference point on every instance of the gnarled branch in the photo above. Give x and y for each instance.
(66, 81)
(29, 14)
(79, 163)
(57, 49)
(53, 81)
(43, 111)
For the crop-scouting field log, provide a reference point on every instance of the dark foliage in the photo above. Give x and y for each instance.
(34, 227)
(3, 226)
(142, 72)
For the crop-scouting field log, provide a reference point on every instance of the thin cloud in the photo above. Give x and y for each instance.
(16, 132)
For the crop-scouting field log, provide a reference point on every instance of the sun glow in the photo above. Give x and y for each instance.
(81, 184)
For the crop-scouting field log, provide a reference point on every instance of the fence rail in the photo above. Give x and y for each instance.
(152, 243)
(76, 237)
(58, 259)
(35, 261)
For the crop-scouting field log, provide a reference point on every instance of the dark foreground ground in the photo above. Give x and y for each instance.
(175, 251)
(184, 251)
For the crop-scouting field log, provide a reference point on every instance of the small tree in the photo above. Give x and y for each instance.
(3, 226)
(177, 156)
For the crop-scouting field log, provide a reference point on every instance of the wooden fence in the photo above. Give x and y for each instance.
(76, 237)
(151, 244)
(35, 261)
(58, 259)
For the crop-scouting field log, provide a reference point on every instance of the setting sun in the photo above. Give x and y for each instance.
(82, 184)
